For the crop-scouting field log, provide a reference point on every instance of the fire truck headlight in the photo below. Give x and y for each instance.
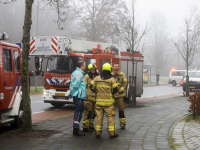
(45, 93)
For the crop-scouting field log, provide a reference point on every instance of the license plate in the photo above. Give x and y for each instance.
(192, 87)
(60, 94)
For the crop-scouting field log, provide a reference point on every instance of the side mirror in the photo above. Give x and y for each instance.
(37, 63)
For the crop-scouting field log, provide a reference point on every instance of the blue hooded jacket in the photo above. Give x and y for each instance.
(77, 85)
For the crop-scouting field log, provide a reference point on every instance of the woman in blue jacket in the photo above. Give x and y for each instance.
(78, 92)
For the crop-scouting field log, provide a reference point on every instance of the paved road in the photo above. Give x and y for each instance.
(39, 106)
(161, 90)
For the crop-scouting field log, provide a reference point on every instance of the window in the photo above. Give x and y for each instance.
(62, 64)
(178, 73)
(7, 60)
(16, 61)
(107, 61)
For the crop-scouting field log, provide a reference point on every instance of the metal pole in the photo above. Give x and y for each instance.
(194, 106)
(187, 77)
(36, 77)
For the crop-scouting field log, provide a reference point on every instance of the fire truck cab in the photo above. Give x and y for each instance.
(63, 55)
(11, 109)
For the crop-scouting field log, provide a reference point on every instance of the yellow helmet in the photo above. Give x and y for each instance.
(107, 67)
(91, 66)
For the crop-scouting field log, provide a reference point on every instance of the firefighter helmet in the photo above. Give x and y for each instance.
(91, 66)
(107, 67)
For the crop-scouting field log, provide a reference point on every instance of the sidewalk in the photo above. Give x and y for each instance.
(147, 128)
(186, 135)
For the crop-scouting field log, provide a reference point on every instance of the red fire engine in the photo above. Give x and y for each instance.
(63, 55)
(11, 109)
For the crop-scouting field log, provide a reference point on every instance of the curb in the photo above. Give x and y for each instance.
(170, 141)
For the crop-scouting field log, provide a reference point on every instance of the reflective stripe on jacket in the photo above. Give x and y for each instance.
(121, 81)
(91, 96)
(77, 85)
(104, 90)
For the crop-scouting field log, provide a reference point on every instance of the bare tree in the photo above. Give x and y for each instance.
(96, 18)
(132, 34)
(188, 44)
(25, 53)
(159, 42)
(189, 41)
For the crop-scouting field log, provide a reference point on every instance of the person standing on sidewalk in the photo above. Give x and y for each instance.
(157, 77)
(78, 92)
(105, 86)
(121, 81)
(89, 103)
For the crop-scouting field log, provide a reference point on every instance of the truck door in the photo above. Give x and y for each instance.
(8, 86)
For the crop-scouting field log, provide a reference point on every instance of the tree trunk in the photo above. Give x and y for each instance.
(132, 50)
(27, 124)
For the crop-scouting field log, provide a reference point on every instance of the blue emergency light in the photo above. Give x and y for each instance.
(19, 44)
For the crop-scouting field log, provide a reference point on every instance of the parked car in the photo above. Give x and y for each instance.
(194, 81)
(176, 77)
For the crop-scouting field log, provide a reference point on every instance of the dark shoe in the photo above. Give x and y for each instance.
(92, 128)
(113, 136)
(87, 130)
(123, 128)
(78, 132)
(98, 136)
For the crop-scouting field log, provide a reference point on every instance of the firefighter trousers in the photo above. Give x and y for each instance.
(110, 113)
(119, 102)
(88, 114)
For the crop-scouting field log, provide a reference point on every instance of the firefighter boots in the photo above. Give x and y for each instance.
(88, 116)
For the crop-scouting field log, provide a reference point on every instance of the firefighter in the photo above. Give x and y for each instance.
(121, 81)
(89, 102)
(105, 86)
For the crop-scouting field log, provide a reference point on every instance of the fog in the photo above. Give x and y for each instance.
(164, 18)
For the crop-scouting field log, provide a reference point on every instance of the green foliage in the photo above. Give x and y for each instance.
(40, 91)
(190, 118)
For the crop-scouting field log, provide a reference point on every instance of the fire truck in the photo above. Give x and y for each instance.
(64, 53)
(11, 108)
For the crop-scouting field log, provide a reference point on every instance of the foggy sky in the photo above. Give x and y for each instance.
(173, 10)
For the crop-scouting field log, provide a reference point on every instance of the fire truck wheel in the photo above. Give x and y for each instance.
(57, 105)
(18, 119)
(174, 83)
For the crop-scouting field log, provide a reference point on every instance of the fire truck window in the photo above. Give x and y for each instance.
(62, 64)
(7, 60)
(107, 61)
(16, 60)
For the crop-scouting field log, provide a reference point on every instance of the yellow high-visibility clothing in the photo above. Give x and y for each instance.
(121, 81)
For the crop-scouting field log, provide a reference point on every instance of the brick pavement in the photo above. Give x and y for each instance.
(147, 128)
(186, 135)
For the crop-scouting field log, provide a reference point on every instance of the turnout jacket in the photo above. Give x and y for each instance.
(121, 81)
(77, 85)
(105, 88)
(91, 96)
